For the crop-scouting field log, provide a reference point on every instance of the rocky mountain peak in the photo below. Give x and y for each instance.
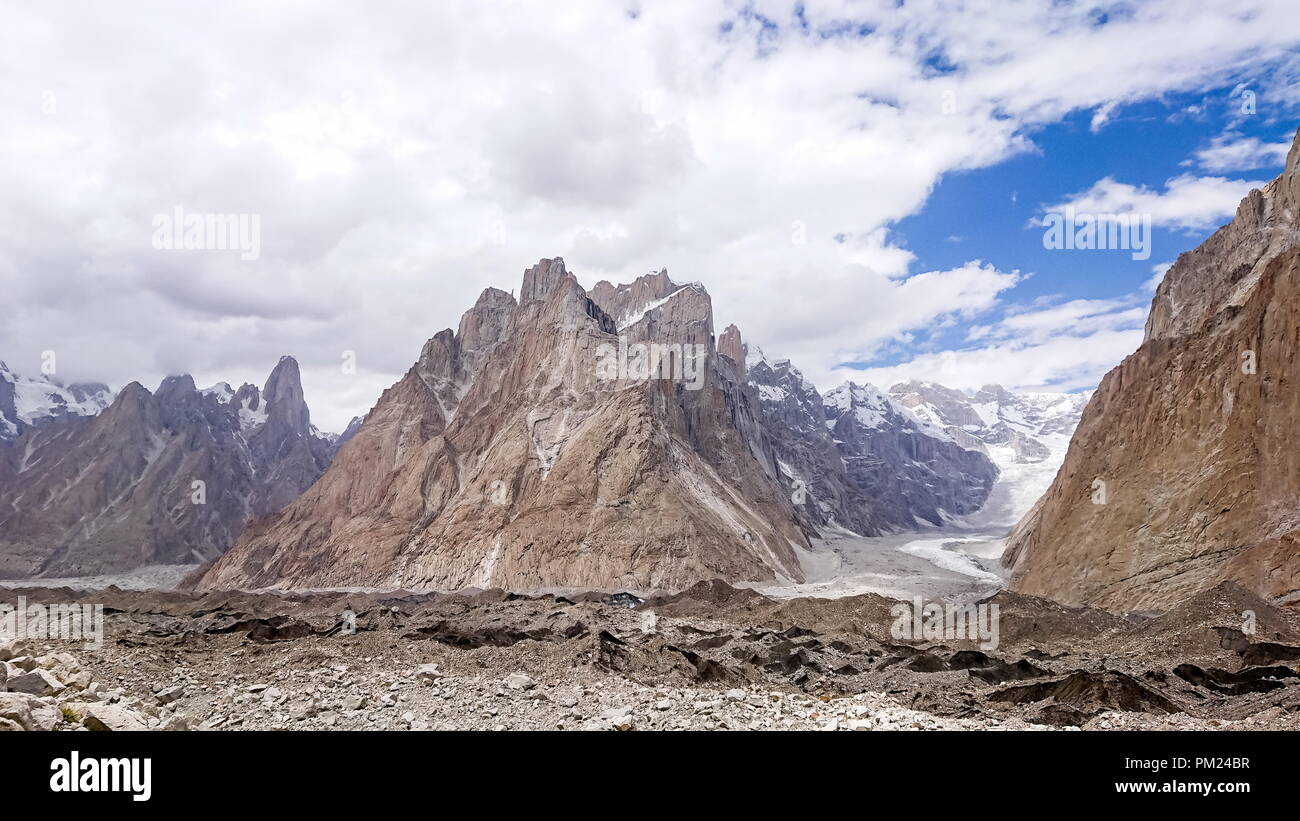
(1218, 276)
(541, 279)
(286, 406)
(993, 393)
(115, 491)
(628, 302)
(484, 323)
(175, 389)
(28, 402)
(732, 346)
(543, 472)
(131, 399)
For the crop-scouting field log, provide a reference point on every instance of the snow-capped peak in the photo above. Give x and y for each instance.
(635, 315)
(27, 401)
(222, 391)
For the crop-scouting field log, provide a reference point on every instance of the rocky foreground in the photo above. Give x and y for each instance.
(712, 657)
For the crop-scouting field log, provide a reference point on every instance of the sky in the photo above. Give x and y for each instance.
(861, 186)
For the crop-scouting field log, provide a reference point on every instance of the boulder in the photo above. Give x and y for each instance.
(36, 683)
(110, 717)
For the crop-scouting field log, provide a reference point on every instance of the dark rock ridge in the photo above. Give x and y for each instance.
(861, 461)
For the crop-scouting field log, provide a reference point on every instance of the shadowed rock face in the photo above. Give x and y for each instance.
(512, 455)
(116, 491)
(860, 460)
(909, 469)
(1192, 439)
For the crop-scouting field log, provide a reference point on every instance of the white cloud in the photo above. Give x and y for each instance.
(1062, 363)
(1233, 152)
(1187, 202)
(403, 160)
(1102, 116)
(1061, 347)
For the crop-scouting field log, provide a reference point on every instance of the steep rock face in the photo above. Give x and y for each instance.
(732, 346)
(910, 469)
(1184, 471)
(1219, 275)
(26, 403)
(808, 457)
(287, 452)
(118, 491)
(852, 469)
(529, 449)
(627, 303)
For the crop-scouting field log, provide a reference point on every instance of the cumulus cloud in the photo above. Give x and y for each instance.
(401, 159)
(1187, 202)
(1059, 346)
(1233, 152)
(1063, 363)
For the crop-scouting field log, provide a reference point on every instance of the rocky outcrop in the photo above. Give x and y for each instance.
(732, 346)
(1184, 470)
(169, 477)
(541, 445)
(808, 458)
(627, 303)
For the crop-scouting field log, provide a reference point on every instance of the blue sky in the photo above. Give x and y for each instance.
(989, 213)
(986, 213)
(853, 180)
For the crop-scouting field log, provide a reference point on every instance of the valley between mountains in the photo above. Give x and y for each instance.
(588, 508)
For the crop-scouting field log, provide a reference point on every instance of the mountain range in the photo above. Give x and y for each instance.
(565, 439)
(533, 448)
(163, 477)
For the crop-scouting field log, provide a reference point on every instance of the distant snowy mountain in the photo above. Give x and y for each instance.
(1025, 434)
(27, 402)
(864, 461)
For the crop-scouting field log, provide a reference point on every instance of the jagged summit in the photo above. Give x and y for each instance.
(1219, 275)
(504, 458)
